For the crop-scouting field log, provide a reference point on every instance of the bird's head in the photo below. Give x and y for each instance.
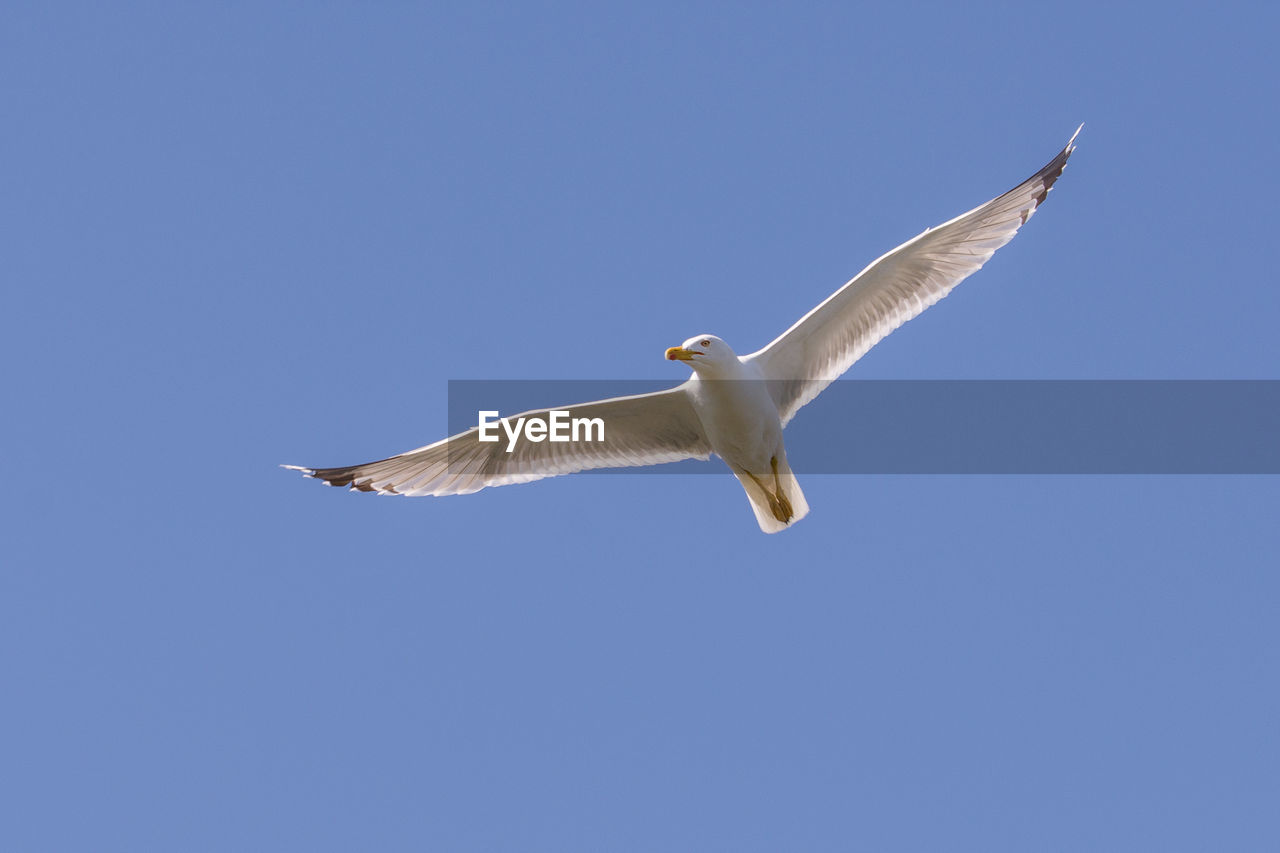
(705, 354)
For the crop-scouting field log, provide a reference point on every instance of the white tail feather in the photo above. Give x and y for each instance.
(759, 499)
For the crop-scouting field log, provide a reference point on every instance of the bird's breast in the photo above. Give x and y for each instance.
(741, 421)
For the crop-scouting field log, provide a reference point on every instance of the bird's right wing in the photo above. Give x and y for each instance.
(644, 429)
(896, 287)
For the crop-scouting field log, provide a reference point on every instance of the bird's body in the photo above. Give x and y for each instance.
(739, 416)
(733, 406)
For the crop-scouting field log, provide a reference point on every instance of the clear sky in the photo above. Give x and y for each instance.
(237, 235)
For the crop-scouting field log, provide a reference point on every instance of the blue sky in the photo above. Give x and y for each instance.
(250, 234)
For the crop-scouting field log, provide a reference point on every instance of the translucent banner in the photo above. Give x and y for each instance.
(905, 426)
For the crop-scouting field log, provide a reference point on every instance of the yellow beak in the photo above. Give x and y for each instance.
(680, 354)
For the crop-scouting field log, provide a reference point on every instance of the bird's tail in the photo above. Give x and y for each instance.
(777, 505)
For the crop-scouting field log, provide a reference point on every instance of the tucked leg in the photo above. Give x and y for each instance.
(778, 510)
(779, 495)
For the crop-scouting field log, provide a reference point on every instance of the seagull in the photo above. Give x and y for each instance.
(733, 406)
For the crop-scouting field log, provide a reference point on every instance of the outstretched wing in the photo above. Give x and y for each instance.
(896, 287)
(644, 429)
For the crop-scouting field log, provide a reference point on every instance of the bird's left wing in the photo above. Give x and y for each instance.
(896, 287)
(644, 429)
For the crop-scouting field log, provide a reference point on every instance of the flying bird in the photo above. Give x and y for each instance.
(733, 406)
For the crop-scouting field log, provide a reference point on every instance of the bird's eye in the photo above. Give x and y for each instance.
(706, 343)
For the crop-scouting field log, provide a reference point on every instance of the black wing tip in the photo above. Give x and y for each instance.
(1054, 168)
(1048, 176)
(342, 477)
(330, 476)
